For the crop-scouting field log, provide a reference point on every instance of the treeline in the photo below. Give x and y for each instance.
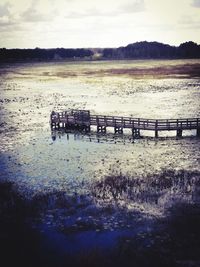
(139, 50)
(38, 54)
(153, 50)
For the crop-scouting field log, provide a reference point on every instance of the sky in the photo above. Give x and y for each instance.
(97, 23)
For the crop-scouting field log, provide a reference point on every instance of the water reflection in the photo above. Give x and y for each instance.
(92, 136)
(108, 137)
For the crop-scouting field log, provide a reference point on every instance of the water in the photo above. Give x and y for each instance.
(100, 191)
(71, 163)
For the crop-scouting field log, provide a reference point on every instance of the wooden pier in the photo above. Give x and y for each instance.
(82, 120)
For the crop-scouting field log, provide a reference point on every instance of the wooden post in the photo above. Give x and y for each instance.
(156, 129)
(118, 130)
(198, 132)
(168, 125)
(105, 121)
(136, 133)
(179, 133)
(87, 128)
(103, 129)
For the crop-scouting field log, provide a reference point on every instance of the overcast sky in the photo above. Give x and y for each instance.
(97, 23)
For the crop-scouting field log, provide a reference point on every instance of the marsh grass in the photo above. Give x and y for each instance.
(155, 188)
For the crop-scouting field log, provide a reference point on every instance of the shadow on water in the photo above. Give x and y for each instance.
(110, 226)
(120, 138)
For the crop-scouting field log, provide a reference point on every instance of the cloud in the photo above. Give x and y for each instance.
(4, 9)
(6, 18)
(91, 12)
(189, 22)
(97, 22)
(196, 3)
(135, 6)
(5, 24)
(32, 14)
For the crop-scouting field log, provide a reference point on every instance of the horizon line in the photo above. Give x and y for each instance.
(107, 47)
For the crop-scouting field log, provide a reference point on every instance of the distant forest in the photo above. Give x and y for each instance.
(138, 50)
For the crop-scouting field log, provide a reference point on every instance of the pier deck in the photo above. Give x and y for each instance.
(83, 120)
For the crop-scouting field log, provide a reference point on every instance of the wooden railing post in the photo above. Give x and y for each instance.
(156, 129)
(198, 128)
(168, 125)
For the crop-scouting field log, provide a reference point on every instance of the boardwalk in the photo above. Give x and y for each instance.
(83, 120)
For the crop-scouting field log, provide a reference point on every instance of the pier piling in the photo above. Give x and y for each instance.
(179, 133)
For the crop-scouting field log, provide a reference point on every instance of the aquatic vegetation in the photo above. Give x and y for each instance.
(161, 189)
